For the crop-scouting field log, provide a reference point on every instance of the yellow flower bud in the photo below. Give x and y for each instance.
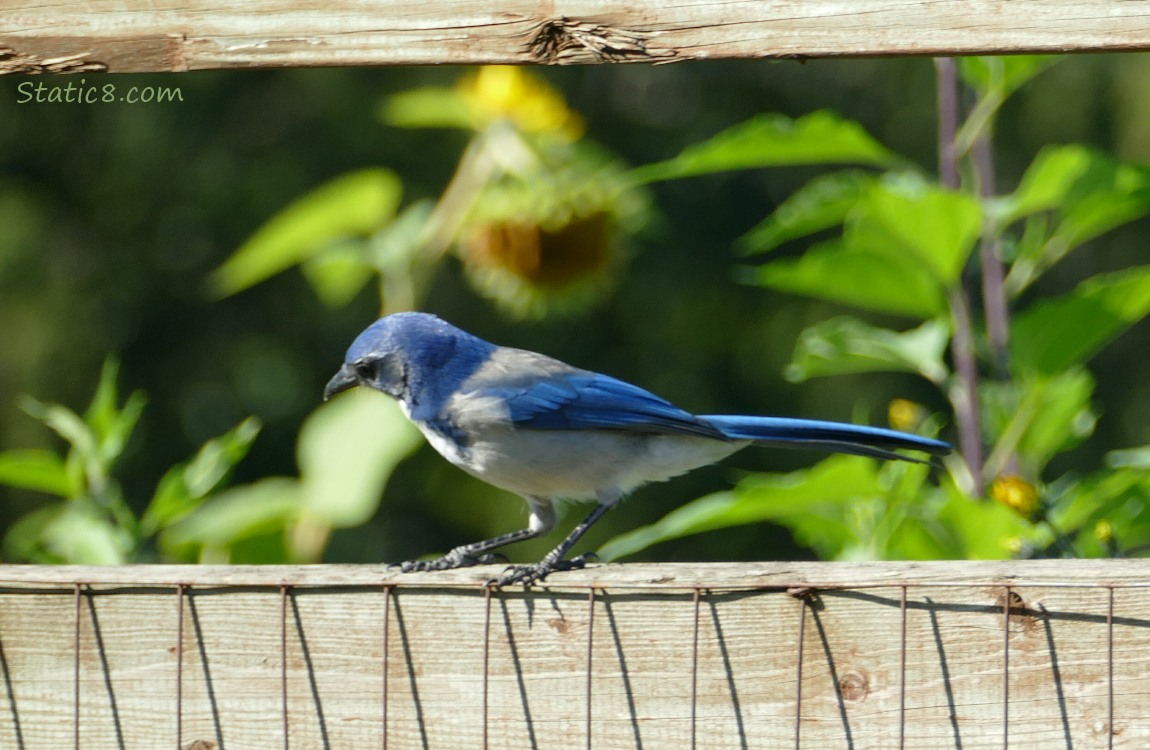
(1103, 531)
(903, 414)
(1013, 544)
(1015, 493)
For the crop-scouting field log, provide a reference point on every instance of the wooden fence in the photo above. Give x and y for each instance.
(1042, 654)
(765, 655)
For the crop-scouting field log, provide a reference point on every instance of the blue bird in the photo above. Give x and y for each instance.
(545, 430)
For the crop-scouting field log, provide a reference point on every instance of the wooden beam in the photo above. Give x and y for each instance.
(179, 35)
(718, 655)
(656, 576)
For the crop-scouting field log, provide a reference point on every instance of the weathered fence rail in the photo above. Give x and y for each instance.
(816, 655)
(179, 35)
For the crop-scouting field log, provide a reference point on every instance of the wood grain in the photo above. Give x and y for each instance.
(179, 35)
(663, 652)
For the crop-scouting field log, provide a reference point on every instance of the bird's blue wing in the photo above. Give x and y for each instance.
(581, 400)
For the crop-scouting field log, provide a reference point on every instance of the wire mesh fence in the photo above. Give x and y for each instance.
(894, 655)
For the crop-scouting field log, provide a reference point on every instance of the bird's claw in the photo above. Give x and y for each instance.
(580, 561)
(529, 574)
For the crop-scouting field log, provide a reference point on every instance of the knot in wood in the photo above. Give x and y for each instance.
(200, 745)
(854, 686)
(564, 41)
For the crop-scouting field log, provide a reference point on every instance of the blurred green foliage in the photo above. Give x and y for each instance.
(346, 452)
(144, 230)
(906, 244)
(92, 522)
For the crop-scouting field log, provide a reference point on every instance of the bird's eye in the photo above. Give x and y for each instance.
(366, 369)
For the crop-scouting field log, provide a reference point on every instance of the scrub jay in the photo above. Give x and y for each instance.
(545, 430)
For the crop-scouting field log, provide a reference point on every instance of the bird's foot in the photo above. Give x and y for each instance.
(456, 558)
(529, 574)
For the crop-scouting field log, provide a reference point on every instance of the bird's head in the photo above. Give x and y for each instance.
(405, 354)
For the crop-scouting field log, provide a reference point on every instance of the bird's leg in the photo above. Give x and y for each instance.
(554, 560)
(542, 521)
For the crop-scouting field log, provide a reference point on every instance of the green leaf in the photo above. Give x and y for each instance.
(814, 503)
(67, 533)
(916, 531)
(170, 502)
(905, 241)
(39, 470)
(1129, 458)
(347, 450)
(64, 422)
(1119, 196)
(1105, 195)
(338, 273)
(354, 204)
(102, 412)
(820, 204)
(268, 548)
(704, 514)
(93, 453)
(981, 530)
(1045, 184)
(184, 486)
(84, 538)
(238, 513)
(111, 425)
(429, 107)
(121, 427)
(216, 459)
(1036, 417)
(1063, 419)
(1052, 335)
(1116, 496)
(772, 140)
(869, 279)
(1005, 74)
(907, 215)
(848, 345)
(23, 541)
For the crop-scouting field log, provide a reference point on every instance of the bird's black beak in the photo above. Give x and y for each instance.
(343, 380)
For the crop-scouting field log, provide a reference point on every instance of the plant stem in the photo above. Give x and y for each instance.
(993, 286)
(947, 75)
(477, 165)
(964, 394)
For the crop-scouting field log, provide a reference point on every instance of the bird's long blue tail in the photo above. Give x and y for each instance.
(830, 436)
